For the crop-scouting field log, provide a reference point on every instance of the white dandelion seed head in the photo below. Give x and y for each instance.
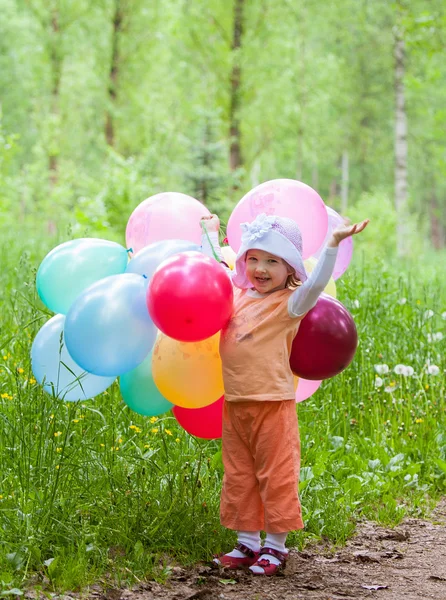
(443, 315)
(408, 371)
(356, 303)
(428, 314)
(399, 369)
(433, 370)
(382, 369)
(438, 336)
(378, 382)
(402, 301)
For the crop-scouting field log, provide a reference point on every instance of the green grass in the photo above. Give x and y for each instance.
(87, 497)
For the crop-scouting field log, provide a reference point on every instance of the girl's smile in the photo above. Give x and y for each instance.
(267, 273)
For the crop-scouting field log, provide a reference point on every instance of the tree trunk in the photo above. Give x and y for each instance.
(436, 224)
(55, 43)
(235, 153)
(344, 183)
(113, 75)
(400, 145)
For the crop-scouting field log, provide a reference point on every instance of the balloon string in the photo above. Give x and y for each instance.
(129, 250)
(203, 227)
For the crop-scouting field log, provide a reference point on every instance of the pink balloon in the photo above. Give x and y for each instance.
(165, 216)
(190, 297)
(306, 388)
(284, 198)
(203, 422)
(345, 247)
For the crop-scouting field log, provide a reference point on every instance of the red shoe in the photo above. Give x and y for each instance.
(263, 566)
(231, 562)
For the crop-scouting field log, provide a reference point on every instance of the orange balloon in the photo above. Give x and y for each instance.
(188, 374)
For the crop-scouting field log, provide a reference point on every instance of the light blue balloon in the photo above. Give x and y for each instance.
(73, 266)
(54, 368)
(140, 393)
(108, 330)
(147, 260)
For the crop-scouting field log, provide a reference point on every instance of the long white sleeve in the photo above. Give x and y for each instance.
(305, 297)
(210, 246)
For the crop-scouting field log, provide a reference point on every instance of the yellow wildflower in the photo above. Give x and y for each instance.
(57, 433)
(155, 430)
(5, 396)
(168, 431)
(120, 441)
(20, 370)
(153, 419)
(57, 466)
(419, 420)
(102, 445)
(177, 440)
(58, 449)
(146, 446)
(426, 387)
(75, 420)
(1, 496)
(32, 381)
(5, 357)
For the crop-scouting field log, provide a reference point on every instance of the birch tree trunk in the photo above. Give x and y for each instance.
(400, 145)
(235, 153)
(344, 183)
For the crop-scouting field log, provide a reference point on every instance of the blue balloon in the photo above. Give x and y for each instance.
(108, 329)
(54, 368)
(73, 266)
(140, 393)
(147, 260)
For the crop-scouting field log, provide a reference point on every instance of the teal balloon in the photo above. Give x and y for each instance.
(108, 329)
(73, 266)
(140, 393)
(54, 368)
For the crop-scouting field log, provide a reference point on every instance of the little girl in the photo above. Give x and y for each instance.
(260, 440)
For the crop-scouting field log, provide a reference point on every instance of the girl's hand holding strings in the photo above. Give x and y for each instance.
(212, 223)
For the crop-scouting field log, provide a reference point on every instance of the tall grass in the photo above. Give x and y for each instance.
(91, 489)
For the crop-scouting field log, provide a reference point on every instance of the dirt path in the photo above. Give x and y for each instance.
(405, 563)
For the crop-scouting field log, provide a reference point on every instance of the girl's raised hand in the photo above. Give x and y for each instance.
(346, 230)
(212, 223)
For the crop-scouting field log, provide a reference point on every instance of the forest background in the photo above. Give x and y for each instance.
(106, 102)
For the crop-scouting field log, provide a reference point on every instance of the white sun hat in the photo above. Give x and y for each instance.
(277, 235)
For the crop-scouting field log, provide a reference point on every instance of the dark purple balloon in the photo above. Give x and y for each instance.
(326, 341)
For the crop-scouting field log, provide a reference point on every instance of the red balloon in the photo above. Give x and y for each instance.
(203, 422)
(190, 297)
(326, 341)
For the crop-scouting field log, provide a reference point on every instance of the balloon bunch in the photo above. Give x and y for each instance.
(154, 320)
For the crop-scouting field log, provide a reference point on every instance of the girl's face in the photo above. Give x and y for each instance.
(267, 273)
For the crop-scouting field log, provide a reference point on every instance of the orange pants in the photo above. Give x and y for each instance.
(261, 457)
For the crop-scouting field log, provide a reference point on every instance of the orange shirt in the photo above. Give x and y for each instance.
(255, 348)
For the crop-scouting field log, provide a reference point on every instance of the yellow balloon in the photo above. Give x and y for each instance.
(188, 374)
(229, 256)
(330, 288)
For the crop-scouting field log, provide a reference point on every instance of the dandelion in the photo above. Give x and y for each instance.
(378, 382)
(146, 446)
(57, 466)
(168, 431)
(382, 369)
(177, 440)
(20, 370)
(356, 304)
(75, 420)
(428, 314)
(135, 428)
(6, 358)
(4, 396)
(57, 433)
(390, 388)
(32, 381)
(399, 369)
(433, 370)
(120, 441)
(426, 387)
(102, 445)
(1, 496)
(443, 316)
(419, 420)
(153, 419)
(155, 430)
(408, 371)
(402, 301)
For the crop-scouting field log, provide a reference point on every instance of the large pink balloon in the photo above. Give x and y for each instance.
(284, 198)
(190, 297)
(345, 250)
(326, 341)
(165, 216)
(203, 422)
(306, 388)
